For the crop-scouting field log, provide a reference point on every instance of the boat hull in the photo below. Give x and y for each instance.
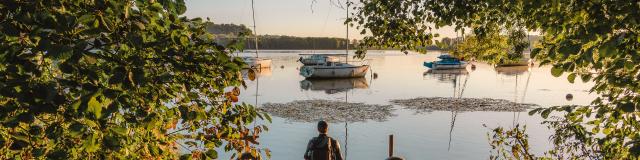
(438, 66)
(334, 71)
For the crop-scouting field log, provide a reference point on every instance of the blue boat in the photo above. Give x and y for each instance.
(446, 62)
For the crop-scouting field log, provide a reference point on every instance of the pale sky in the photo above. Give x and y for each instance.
(302, 18)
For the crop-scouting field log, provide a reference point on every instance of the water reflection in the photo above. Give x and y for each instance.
(332, 86)
(418, 136)
(447, 75)
(259, 72)
(512, 70)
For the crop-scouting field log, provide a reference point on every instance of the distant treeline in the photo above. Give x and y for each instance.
(228, 32)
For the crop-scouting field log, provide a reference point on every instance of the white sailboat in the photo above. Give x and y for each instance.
(256, 62)
(336, 69)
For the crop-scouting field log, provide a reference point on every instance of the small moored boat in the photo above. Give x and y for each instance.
(446, 62)
(334, 70)
(331, 69)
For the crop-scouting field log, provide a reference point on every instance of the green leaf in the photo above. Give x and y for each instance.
(76, 105)
(571, 77)
(76, 129)
(606, 131)
(628, 107)
(607, 49)
(545, 113)
(120, 130)
(96, 23)
(94, 107)
(268, 117)
(90, 143)
(629, 65)
(184, 40)
(39, 152)
(140, 25)
(556, 71)
(635, 149)
(534, 111)
(212, 153)
(585, 77)
(535, 52)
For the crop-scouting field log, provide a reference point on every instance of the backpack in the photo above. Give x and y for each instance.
(322, 149)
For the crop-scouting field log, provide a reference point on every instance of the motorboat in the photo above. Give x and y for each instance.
(334, 70)
(446, 62)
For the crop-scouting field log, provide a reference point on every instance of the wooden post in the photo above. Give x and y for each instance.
(391, 145)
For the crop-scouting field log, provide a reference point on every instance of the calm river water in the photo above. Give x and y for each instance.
(432, 135)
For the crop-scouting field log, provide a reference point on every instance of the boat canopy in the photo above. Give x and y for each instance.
(327, 54)
(446, 56)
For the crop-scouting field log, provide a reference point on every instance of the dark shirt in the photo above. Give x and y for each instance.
(321, 141)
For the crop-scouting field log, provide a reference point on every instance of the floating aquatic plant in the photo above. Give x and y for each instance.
(428, 104)
(332, 111)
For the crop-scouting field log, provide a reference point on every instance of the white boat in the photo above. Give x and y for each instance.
(334, 70)
(255, 62)
(318, 59)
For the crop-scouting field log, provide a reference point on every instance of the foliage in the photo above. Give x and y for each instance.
(227, 29)
(117, 80)
(447, 43)
(494, 48)
(595, 40)
(510, 144)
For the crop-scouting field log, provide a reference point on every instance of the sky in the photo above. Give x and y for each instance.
(302, 18)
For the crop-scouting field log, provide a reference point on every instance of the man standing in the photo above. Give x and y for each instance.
(323, 147)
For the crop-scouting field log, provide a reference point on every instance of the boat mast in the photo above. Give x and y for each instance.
(346, 60)
(346, 94)
(255, 33)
